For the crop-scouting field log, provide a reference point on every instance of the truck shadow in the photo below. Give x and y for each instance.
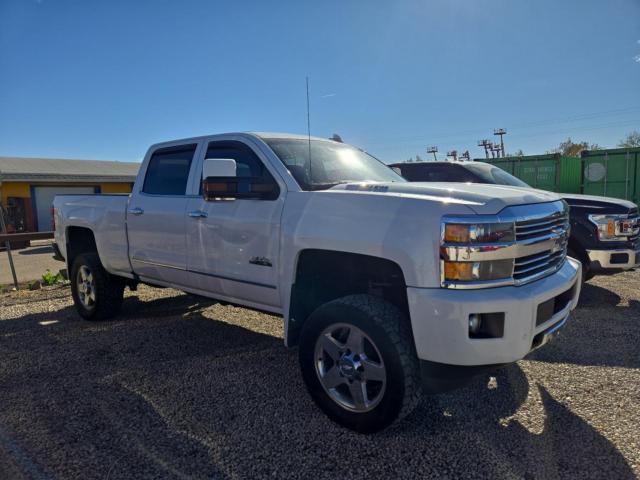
(600, 332)
(483, 422)
(172, 390)
(596, 296)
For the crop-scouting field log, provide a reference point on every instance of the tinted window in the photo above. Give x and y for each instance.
(168, 170)
(435, 173)
(247, 162)
(495, 175)
(321, 164)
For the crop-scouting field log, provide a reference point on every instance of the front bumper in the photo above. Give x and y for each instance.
(440, 319)
(618, 259)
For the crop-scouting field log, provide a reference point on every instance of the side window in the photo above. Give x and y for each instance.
(168, 170)
(247, 162)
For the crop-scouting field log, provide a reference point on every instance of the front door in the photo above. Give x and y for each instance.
(233, 245)
(156, 216)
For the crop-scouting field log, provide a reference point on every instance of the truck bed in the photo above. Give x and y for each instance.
(105, 215)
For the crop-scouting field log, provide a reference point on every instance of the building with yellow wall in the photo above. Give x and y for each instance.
(28, 185)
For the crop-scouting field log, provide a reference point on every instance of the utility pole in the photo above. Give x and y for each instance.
(485, 143)
(466, 155)
(433, 150)
(454, 154)
(497, 149)
(501, 132)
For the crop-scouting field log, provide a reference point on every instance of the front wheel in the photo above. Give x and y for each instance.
(359, 363)
(96, 293)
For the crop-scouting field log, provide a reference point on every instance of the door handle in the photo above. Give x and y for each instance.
(136, 211)
(198, 214)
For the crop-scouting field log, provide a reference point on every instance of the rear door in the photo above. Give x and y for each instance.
(156, 215)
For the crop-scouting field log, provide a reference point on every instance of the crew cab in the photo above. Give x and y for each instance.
(604, 231)
(385, 286)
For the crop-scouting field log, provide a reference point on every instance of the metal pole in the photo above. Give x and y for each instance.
(626, 178)
(7, 245)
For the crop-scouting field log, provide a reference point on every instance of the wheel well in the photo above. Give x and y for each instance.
(79, 240)
(324, 275)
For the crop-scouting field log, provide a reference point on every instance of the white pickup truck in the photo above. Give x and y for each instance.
(387, 287)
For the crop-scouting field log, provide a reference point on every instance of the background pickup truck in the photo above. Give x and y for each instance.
(384, 285)
(604, 231)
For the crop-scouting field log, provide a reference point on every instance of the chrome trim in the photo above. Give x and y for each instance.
(156, 264)
(603, 257)
(222, 277)
(198, 214)
(502, 251)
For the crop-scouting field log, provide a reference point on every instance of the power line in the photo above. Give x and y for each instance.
(462, 135)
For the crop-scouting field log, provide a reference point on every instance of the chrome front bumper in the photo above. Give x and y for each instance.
(622, 259)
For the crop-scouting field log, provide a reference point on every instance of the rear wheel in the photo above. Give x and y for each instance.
(359, 364)
(97, 294)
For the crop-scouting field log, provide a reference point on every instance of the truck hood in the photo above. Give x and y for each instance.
(592, 202)
(481, 198)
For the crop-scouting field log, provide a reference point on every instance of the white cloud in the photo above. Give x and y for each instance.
(637, 58)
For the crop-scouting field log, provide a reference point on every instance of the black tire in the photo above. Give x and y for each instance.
(586, 273)
(388, 329)
(108, 291)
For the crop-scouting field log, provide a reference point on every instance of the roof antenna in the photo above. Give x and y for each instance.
(309, 129)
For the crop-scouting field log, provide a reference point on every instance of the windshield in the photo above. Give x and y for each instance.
(331, 163)
(495, 175)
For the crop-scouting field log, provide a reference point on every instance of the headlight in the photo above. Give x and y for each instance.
(459, 238)
(614, 227)
(478, 232)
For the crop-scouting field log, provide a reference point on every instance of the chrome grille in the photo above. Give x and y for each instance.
(531, 229)
(538, 247)
(552, 229)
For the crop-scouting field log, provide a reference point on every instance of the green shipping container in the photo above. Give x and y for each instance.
(546, 172)
(613, 172)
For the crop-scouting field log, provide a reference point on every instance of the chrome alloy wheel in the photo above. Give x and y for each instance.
(86, 287)
(350, 367)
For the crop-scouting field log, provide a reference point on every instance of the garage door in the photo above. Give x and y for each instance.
(43, 198)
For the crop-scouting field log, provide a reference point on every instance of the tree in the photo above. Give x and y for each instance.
(418, 159)
(631, 140)
(569, 148)
(517, 153)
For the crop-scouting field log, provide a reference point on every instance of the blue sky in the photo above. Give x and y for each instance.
(104, 79)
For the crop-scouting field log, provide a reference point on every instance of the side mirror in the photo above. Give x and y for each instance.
(219, 167)
(220, 182)
(226, 188)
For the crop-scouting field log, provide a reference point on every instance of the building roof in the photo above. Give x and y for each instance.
(20, 169)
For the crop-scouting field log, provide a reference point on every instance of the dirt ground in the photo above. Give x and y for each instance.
(181, 387)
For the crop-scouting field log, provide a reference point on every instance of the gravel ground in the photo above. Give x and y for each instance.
(180, 387)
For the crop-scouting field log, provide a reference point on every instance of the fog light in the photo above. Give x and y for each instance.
(475, 322)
